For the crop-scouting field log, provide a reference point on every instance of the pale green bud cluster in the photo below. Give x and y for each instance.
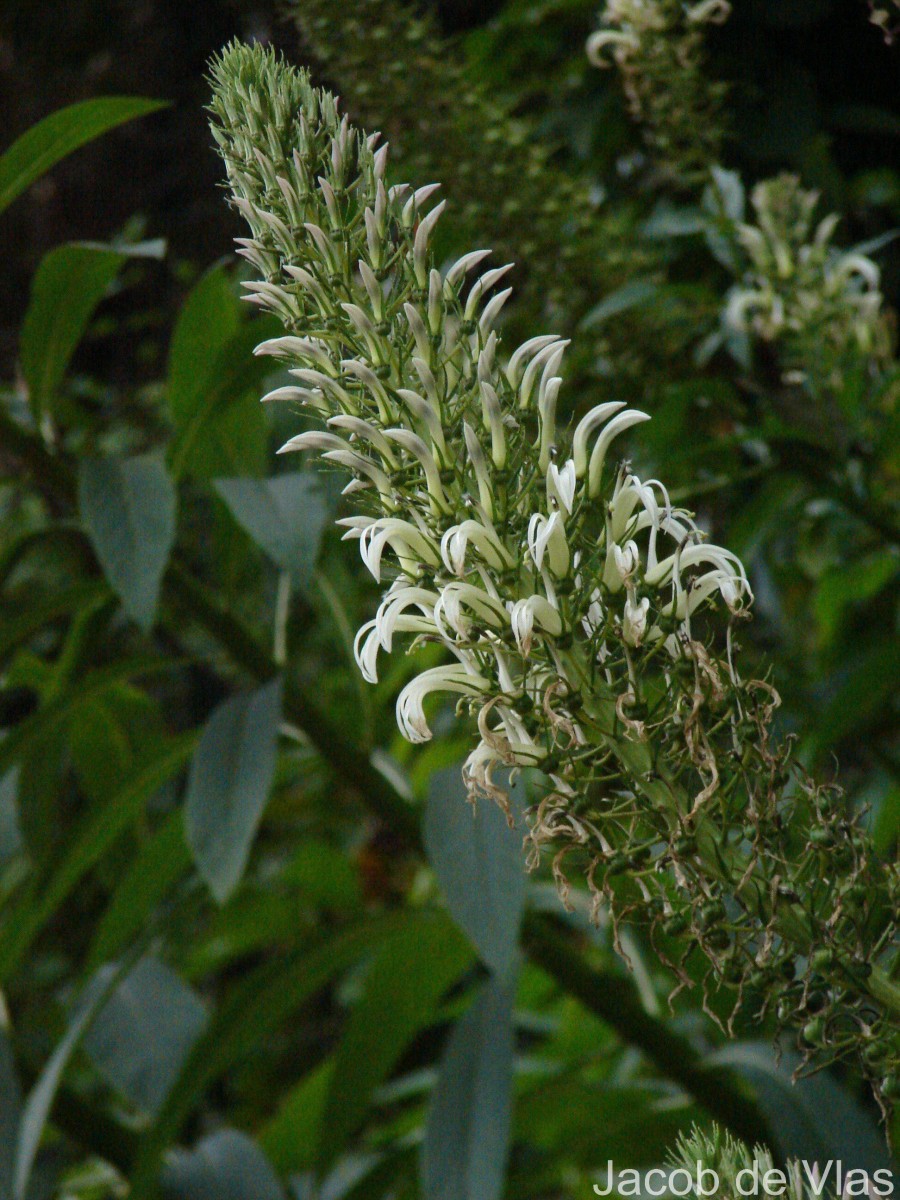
(820, 305)
(658, 48)
(742, 1172)
(586, 621)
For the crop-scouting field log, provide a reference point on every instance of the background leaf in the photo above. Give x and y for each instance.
(57, 135)
(285, 516)
(231, 774)
(41, 1097)
(69, 284)
(228, 1165)
(144, 1032)
(479, 862)
(399, 997)
(813, 1118)
(214, 384)
(467, 1134)
(128, 508)
(10, 1113)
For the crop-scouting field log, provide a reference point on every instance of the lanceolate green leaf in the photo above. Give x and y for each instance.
(128, 508)
(400, 996)
(162, 860)
(69, 284)
(285, 516)
(467, 1135)
(98, 833)
(213, 384)
(479, 862)
(27, 735)
(56, 136)
(231, 774)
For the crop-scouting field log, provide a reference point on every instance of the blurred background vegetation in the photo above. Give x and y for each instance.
(252, 944)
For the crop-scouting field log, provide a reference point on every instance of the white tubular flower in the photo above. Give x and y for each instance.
(420, 245)
(449, 605)
(297, 395)
(409, 544)
(616, 426)
(585, 427)
(463, 265)
(367, 431)
(525, 614)
(689, 598)
(361, 465)
(634, 621)
(561, 484)
(392, 611)
(412, 443)
(694, 555)
(483, 284)
(354, 526)
(365, 650)
(593, 618)
(480, 467)
(516, 364)
(546, 360)
(315, 439)
(547, 414)
(622, 563)
(428, 417)
(410, 710)
(456, 540)
(547, 535)
(492, 414)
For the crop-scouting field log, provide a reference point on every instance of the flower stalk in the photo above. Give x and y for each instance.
(589, 626)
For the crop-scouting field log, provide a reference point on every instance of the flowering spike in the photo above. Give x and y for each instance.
(589, 630)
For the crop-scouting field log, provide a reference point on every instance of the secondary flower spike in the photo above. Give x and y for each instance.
(586, 621)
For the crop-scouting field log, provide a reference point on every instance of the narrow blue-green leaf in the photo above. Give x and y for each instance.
(141, 1038)
(10, 1114)
(228, 1165)
(466, 1142)
(67, 287)
(128, 507)
(478, 859)
(399, 997)
(56, 136)
(40, 1099)
(231, 774)
(285, 516)
(812, 1119)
